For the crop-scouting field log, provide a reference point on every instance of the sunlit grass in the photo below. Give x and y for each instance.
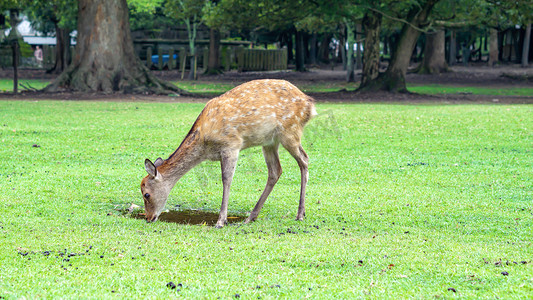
(444, 89)
(404, 201)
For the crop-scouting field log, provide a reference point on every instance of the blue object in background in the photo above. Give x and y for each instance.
(155, 58)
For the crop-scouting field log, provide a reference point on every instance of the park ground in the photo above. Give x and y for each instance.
(475, 83)
(410, 196)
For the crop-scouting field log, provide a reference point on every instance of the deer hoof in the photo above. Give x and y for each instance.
(221, 224)
(250, 219)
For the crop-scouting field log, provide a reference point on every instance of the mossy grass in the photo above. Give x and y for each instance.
(404, 201)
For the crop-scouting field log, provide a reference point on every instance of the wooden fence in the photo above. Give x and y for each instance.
(161, 55)
(262, 60)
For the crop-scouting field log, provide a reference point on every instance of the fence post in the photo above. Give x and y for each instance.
(149, 57)
(160, 58)
(205, 53)
(240, 58)
(171, 59)
(182, 58)
(227, 58)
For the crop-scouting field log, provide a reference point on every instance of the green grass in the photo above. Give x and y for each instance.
(442, 89)
(404, 201)
(215, 89)
(431, 89)
(6, 85)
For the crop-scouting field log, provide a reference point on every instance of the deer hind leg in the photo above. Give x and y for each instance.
(297, 151)
(228, 164)
(274, 172)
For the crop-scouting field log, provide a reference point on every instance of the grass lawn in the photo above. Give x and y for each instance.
(215, 89)
(6, 85)
(404, 201)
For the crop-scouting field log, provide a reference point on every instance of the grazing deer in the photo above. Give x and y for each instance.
(257, 113)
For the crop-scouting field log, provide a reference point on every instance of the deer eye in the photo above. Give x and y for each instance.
(147, 196)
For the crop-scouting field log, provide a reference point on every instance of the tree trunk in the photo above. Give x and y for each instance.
(214, 52)
(350, 40)
(191, 33)
(105, 60)
(434, 61)
(393, 80)
(452, 58)
(300, 53)
(372, 28)
(323, 50)
(342, 48)
(290, 46)
(62, 50)
(493, 47)
(359, 50)
(15, 52)
(313, 49)
(525, 46)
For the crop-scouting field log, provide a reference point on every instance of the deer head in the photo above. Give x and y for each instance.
(154, 190)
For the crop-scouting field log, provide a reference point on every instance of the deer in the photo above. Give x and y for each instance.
(263, 113)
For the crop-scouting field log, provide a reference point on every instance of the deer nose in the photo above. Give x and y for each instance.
(150, 219)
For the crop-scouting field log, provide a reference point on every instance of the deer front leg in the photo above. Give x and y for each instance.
(228, 164)
(274, 172)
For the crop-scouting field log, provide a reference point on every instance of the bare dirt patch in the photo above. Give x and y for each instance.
(508, 76)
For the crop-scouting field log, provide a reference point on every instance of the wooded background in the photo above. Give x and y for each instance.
(383, 38)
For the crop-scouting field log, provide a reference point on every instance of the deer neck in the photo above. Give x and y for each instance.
(189, 154)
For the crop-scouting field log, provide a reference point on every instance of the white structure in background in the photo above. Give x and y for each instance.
(32, 37)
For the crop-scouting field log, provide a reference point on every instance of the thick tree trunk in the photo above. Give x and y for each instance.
(214, 52)
(393, 80)
(493, 47)
(525, 47)
(434, 61)
(452, 54)
(105, 60)
(300, 52)
(372, 28)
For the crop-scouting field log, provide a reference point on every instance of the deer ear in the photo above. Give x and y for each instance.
(150, 167)
(158, 162)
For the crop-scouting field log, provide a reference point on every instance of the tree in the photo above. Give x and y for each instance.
(372, 28)
(105, 60)
(434, 61)
(190, 13)
(393, 80)
(525, 47)
(57, 17)
(212, 16)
